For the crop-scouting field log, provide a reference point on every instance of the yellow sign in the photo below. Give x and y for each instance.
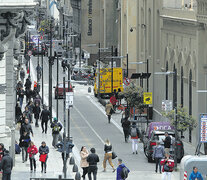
(147, 97)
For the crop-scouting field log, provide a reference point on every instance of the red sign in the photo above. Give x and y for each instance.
(126, 81)
(29, 52)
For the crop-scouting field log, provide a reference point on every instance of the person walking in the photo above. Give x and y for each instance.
(18, 113)
(27, 114)
(22, 75)
(134, 137)
(109, 110)
(56, 128)
(45, 115)
(28, 84)
(26, 127)
(39, 72)
(126, 127)
(36, 111)
(157, 155)
(30, 106)
(168, 165)
(108, 155)
(21, 94)
(6, 166)
(2, 149)
(24, 142)
(32, 151)
(43, 150)
(122, 171)
(195, 175)
(29, 94)
(83, 163)
(92, 159)
(167, 143)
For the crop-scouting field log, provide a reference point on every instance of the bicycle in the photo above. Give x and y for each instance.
(118, 108)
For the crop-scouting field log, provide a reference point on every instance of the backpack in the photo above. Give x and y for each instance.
(124, 173)
(56, 128)
(134, 132)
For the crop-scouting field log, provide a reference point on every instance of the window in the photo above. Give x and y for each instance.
(190, 102)
(166, 83)
(181, 87)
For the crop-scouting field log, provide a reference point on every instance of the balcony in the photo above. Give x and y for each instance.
(180, 4)
(202, 11)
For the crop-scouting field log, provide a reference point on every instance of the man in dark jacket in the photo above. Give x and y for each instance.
(18, 113)
(22, 75)
(56, 128)
(167, 143)
(43, 149)
(28, 83)
(126, 128)
(36, 111)
(2, 149)
(29, 94)
(6, 165)
(45, 115)
(26, 127)
(92, 159)
(21, 94)
(24, 144)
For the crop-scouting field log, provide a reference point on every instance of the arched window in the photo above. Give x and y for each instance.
(181, 87)
(190, 102)
(166, 83)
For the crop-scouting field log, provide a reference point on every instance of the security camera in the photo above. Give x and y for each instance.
(131, 30)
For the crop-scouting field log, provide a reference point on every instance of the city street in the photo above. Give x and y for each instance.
(89, 128)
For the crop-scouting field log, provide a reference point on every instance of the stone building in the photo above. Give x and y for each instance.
(14, 17)
(171, 35)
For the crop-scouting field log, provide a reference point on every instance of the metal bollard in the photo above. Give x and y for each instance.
(72, 161)
(75, 168)
(77, 176)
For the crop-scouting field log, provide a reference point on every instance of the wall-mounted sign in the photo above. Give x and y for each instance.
(203, 128)
(90, 22)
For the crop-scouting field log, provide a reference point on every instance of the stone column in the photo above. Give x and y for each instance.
(10, 82)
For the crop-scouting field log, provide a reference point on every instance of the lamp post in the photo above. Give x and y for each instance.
(42, 77)
(174, 106)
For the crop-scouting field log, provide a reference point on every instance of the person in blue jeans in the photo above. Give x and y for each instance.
(195, 175)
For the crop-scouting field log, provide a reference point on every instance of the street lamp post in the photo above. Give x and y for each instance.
(112, 68)
(42, 78)
(57, 97)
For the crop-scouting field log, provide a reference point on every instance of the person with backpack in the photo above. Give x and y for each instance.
(22, 75)
(157, 155)
(56, 128)
(92, 159)
(126, 127)
(44, 151)
(122, 171)
(45, 115)
(24, 142)
(108, 155)
(134, 137)
(32, 151)
(36, 111)
(167, 169)
(109, 110)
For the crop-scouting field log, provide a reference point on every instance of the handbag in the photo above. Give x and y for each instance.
(43, 157)
(114, 155)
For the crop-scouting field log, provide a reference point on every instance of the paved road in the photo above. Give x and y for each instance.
(89, 128)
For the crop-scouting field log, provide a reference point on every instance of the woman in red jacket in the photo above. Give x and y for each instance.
(168, 165)
(32, 151)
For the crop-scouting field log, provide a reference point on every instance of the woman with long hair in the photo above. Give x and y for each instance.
(108, 155)
(84, 164)
(32, 151)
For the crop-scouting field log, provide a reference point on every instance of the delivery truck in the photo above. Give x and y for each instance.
(106, 82)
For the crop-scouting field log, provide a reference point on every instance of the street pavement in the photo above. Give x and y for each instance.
(89, 128)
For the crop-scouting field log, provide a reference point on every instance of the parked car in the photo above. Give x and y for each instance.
(156, 132)
(41, 50)
(59, 90)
